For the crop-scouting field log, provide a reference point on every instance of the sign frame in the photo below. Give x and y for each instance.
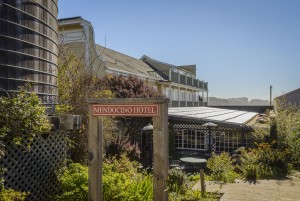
(160, 146)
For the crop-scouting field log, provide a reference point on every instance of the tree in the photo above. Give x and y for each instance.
(129, 87)
(77, 83)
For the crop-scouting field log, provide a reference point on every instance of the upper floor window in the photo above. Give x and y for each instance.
(182, 96)
(168, 92)
(175, 95)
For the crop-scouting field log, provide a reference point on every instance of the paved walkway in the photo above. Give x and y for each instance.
(263, 190)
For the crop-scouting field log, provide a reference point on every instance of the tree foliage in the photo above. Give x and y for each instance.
(129, 87)
(76, 83)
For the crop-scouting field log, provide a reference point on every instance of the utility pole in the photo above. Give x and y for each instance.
(271, 94)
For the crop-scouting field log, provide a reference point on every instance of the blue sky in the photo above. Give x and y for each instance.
(239, 47)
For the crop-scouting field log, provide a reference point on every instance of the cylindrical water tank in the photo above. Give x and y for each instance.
(28, 47)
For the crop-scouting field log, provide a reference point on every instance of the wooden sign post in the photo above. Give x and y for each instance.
(133, 107)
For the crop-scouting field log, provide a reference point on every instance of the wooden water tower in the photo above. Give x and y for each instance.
(28, 48)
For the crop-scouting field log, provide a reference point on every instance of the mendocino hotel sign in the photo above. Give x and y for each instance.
(150, 110)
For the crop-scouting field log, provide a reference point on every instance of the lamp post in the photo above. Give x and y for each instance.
(209, 125)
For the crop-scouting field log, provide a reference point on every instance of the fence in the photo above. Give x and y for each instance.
(35, 171)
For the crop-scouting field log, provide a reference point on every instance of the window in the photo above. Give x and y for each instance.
(248, 140)
(190, 139)
(195, 95)
(167, 93)
(189, 96)
(182, 96)
(175, 95)
(228, 141)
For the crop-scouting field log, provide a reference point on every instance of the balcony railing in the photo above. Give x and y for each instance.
(178, 78)
(182, 104)
(182, 79)
(159, 74)
(175, 104)
(174, 77)
(189, 81)
(188, 104)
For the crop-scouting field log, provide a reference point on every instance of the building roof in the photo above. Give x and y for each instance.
(72, 20)
(292, 97)
(123, 63)
(221, 117)
(162, 66)
(289, 93)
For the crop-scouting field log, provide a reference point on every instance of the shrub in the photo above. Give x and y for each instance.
(249, 165)
(177, 181)
(122, 186)
(22, 116)
(141, 188)
(21, 119)
(221, 168)
(193, 195)
(194, 177)
(74, 182)
(265, 161)
(123, 165)
(12, 195)
(121, 181)
(278, 144)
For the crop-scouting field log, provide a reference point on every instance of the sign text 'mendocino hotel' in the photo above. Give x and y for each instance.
(150, 110)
